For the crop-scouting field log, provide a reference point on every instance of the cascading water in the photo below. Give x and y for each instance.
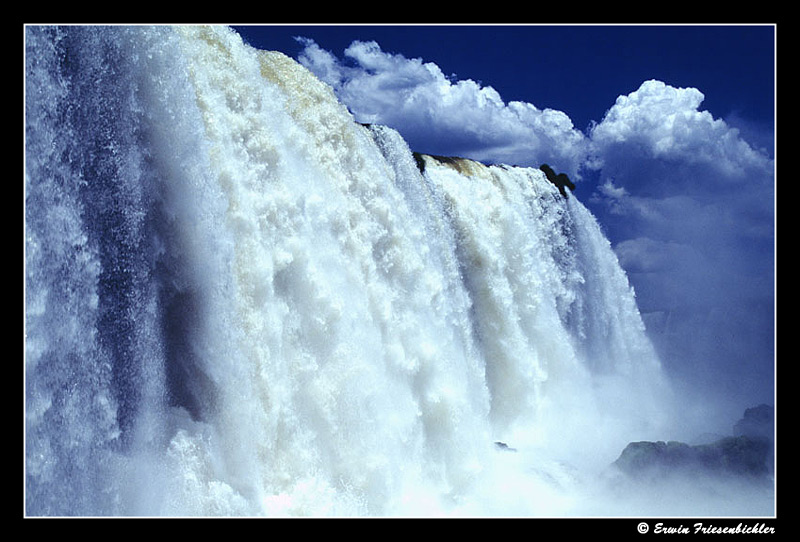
(240, 301)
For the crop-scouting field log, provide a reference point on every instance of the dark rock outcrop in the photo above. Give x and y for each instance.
(731, 455)
(758, 422)
(561, 180)
(749, 453)
(420, 160)
(504, 447)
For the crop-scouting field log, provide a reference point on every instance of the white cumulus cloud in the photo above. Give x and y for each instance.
(660, 124)
(439, 115)
(678, 172)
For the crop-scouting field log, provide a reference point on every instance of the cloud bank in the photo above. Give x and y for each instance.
(687, 203)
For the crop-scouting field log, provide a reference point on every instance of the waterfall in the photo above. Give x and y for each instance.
(239, 301)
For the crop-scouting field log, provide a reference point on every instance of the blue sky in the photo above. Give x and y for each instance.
(668, 131)
(576, 69)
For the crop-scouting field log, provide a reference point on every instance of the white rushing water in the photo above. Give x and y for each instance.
(240, 301)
